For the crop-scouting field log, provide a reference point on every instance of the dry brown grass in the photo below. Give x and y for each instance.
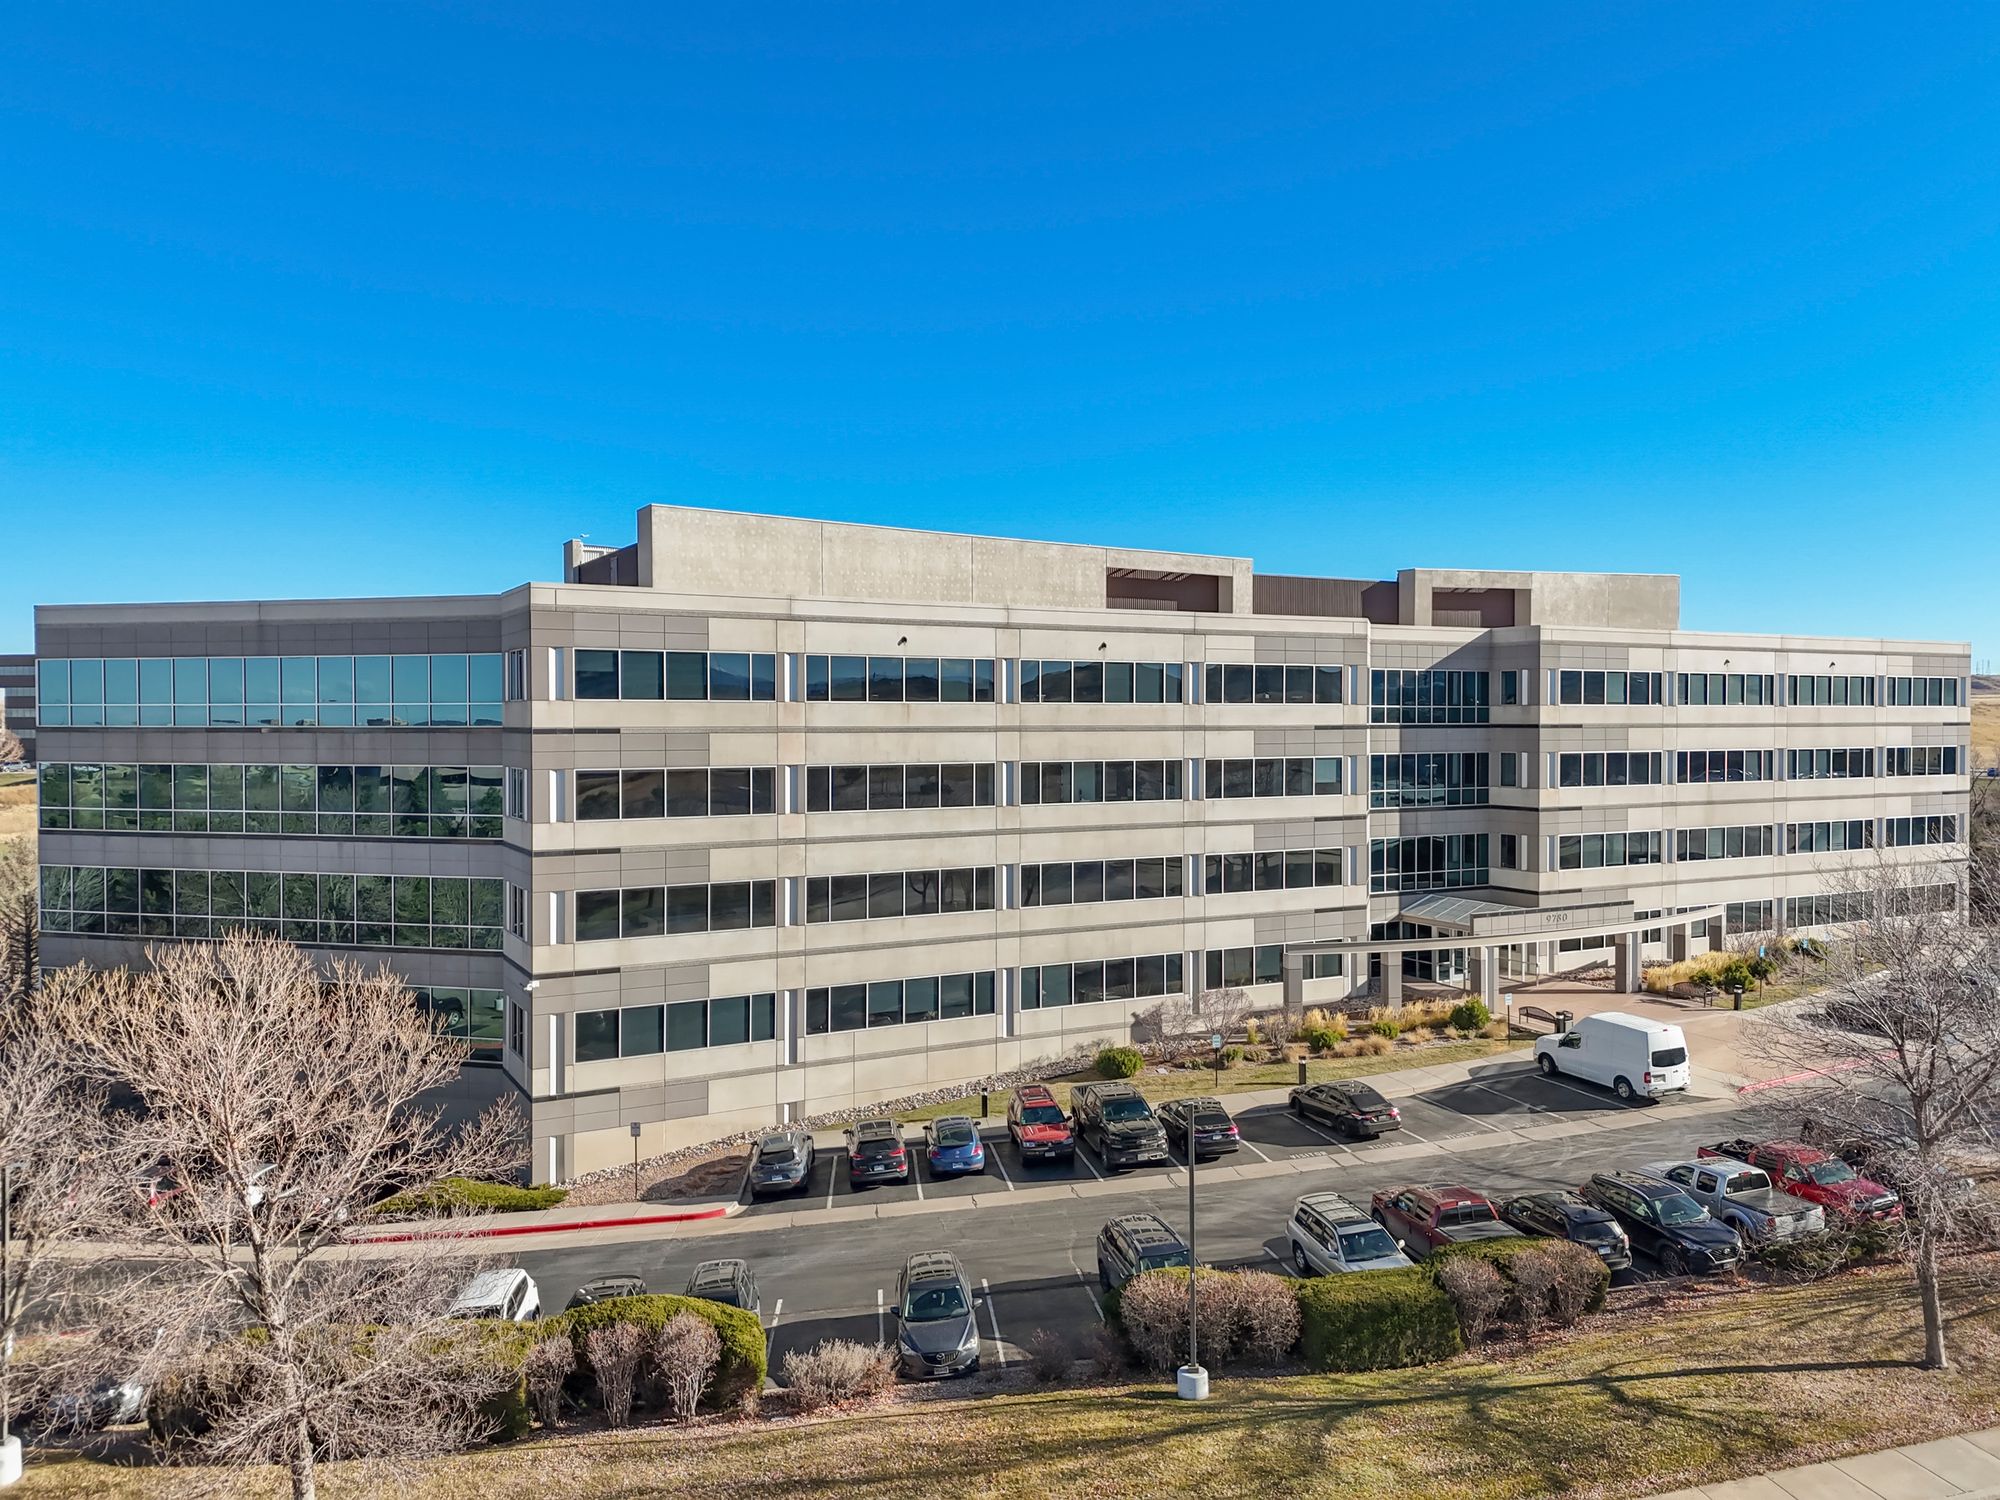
(17, 807)
(1985, 729)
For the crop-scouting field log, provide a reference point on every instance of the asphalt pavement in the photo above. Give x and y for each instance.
(829, 1274)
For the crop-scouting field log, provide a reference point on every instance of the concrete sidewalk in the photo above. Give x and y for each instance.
(1955, 1468)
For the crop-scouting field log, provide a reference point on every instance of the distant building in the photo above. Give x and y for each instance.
(759, 818)
(17, 699)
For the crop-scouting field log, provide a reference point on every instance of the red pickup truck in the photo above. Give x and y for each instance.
(1422, 1218)
(1818, 1177)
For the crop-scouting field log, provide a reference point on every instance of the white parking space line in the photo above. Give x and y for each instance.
(881, 1316)
(1325, 1135)
(771, 1332)
(917, 1176)
(1564, 1083)
(993, 1157)
(1253, 1146)
(1496, 1093)
(1084, 1156)
(832, 1177)
(1089, 1289)
(993, 1318)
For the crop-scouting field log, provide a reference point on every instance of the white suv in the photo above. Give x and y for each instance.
(510, 1295)
(1328, 1235)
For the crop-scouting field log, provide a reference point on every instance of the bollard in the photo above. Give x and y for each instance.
(985, 1104)
(1302, 1072)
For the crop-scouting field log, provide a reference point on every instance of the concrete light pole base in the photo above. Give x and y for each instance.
(1193, 1381)
(10, 1462)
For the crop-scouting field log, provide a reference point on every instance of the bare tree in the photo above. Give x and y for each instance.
(278, 1104)
(19, 920)
(1905, 1054)
(1182, 1024)
(11, 748)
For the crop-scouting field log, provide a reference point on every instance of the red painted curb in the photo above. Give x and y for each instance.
(1772, 1083)
(498, 1232)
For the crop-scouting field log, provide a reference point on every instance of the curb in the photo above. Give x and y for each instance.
(624, 1221)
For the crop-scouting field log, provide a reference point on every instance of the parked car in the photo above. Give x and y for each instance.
(1742, 1197)
(1132, 1243)
(1215, 1134)
(938, 1332)
(1564, 1215)
(604, 1288)
(111, 1401)
(1353, 1108)
(1040, 1129)
(1665, 1223)
(783, 1163)
(875, 1153)
(1329, 1235)
(1116, 1122)
(730, 1282)
(1633, 1057)
(1422, 1218)
(1807, 1172)
(952, 1146)
(510, 1295)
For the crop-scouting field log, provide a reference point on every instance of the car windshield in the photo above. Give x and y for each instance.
(932, 1303)
(1125, 1109)
(1160, 1260)
(877, 1145)
(955, 1135)
(1670, 1057)
(1465, 1213)
(778, 1155)
(1042, 1114)
(1366, 1244)
(1678, 1208)
(1827, 1173)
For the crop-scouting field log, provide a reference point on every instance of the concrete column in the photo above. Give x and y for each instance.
(1392, 980)
(1486, 965)
(1715, 934)
(1625, 963)
(1677, 942)
(1295, 986)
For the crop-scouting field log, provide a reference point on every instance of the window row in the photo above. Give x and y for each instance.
(342, 801)
(684, 1026)
(1443, 696)
(1699, 689)
(1921, 760)
(695, 792)
(1747, 841)
(898, 1002)
(1932, 691)
(889, 788)
(1238, 968)
(1292, 776)
(1749, 916)
(723, 676)
(898, 893)
(1829, 908)
(1820, 838)
(1609, 768)
(1427, 863)
(1046, 986)
(1724, 765)
(1229, 682)
(477, 1018)
(671, 910)
(1270, 870)
(1101, 682)
(899, 679)
(1898, 833)
(1455, 779)
(1609, 687)
(1829, 765)
(1087, 881)
(451, 690)
(1100, 781)
(368, 911)
(1598, 851)
(1823, 690)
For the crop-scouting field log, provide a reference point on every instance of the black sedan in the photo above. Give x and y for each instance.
(1567, 1216)
(1666, 1223)
(1214, 1132)
(1355, 1109)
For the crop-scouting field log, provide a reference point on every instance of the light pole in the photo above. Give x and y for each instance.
(1192, 1380)
(10, 1446)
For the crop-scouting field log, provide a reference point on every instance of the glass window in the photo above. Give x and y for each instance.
(686, 675)
(596, 673)
(596, 1035)
(640, 677)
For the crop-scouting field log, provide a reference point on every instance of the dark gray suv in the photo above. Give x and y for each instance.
(937, 1318)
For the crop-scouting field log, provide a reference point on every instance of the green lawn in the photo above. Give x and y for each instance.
(1245, 1076)
(1701, 1386)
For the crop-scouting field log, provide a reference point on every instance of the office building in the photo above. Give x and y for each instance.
(759, 818)
(17, 700)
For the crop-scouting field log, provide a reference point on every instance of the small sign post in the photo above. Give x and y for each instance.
(635, 1161)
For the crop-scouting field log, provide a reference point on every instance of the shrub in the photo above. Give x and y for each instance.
(1106, 1353)
(1265, 1312)
(739, 1375)
(549, 1363)
(1231, 1056)
(615, 1351)
(1252, 1033)
(1378, 1320)
(1817, 1255)
(1470, 1015)
(1533, 1279)
(1372, 1046)
(1546, 1280)
(462, 1194)
(1477, 1294)
(1416, 1036)
(836, 1370)
(1247, 1317)
(1385, 1028)
(1119, 1062)
(686, 1351)
(1578, 1283)
(1318, 1038)
(1050, 1356)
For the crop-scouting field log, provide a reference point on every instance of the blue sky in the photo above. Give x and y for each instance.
(358, 300)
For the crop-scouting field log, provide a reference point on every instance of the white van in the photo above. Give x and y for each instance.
(1633, 1057)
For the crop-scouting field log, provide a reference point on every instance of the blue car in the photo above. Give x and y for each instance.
(952, 1146)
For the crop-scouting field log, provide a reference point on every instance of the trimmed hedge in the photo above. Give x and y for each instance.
(456, 1194)
(1502, 1253)
(1376, 1320)
(1120, 1062)
(738, 1376)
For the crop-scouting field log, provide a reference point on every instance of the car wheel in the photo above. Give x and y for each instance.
(1547, 1064)
(1671, 1261)
(1622, 1087)
(1299, 1259)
